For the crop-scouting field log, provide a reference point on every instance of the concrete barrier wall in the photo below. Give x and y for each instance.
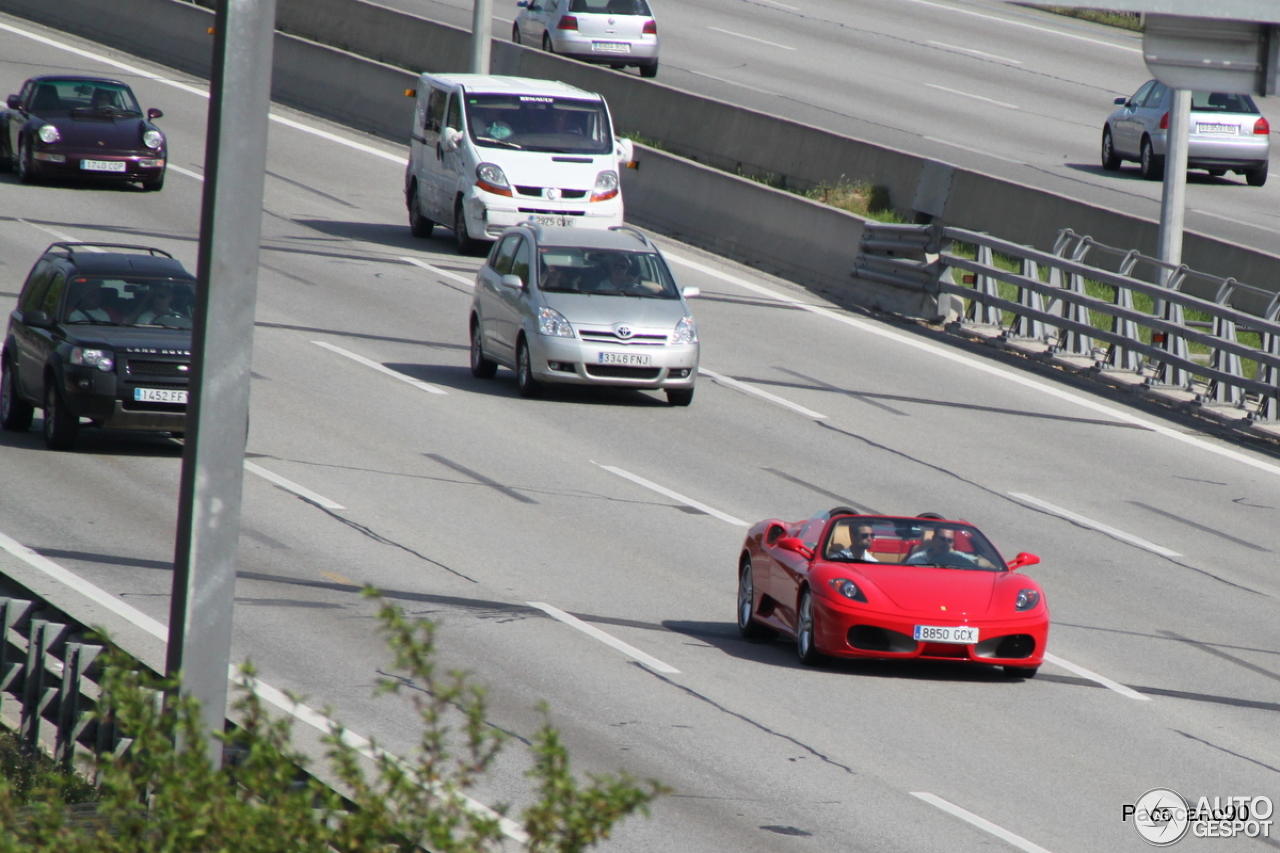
(323, 66)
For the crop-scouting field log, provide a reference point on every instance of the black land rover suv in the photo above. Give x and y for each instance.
(102, 331)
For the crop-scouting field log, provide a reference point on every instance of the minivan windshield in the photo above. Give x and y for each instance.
(604, 272)
(539, 123)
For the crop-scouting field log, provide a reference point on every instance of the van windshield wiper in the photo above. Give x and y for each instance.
(489, 140)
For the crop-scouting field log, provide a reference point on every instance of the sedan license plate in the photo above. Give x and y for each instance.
(611, 46)
(103, 165)
(962, 635)
(1216, 129)
(562, 221)
(160, 395)
(628, 358)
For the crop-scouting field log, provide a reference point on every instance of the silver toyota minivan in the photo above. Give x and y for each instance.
(587, 307)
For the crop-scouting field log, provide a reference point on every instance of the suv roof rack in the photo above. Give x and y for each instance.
(634, 231)
(71, 248)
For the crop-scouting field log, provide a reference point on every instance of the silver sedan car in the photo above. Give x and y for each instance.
(619, 33)
(583, 306)
(1227, 133)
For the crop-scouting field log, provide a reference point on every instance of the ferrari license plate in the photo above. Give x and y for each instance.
(103, 165)
(611, 47)
(628, 358)
(963, 635)
(160, 395)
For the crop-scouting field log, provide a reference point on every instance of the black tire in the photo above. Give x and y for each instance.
(546, 43)
(6, 156)
(481, 367)
(1021, 671)
(528, 387)
(154, 186)
(650, 71)
(679, 396)
(748, 627)
(419, 225)
(806, 630)
(1256, 177)
(466, 245)
(1110, 160)
(1151, 166)
(1216, 173)
(15, 412)
(26, 169)
(515, 34)
(60, 426)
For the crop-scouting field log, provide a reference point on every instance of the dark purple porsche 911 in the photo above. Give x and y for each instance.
(87, 128)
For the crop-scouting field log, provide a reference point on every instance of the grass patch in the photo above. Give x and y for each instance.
(1124, 20)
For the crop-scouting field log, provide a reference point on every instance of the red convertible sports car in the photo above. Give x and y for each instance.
(83, 128)
(868, 586)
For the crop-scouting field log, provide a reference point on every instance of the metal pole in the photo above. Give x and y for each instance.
(1174, 201)
(217, 414)
(481, 24)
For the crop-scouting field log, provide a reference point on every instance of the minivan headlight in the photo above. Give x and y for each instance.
(492, 179)
(551, 322)
(686, 332)
(48, 134)
(153, 139)
(606, 186)
(102, 359)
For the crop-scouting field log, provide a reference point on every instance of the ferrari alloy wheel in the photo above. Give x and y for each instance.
(748, 627)
(806, 628)
(525, 383)
(1021, 671)
(1110, 161)
(15, 412)
(59, 424)
(481, 367)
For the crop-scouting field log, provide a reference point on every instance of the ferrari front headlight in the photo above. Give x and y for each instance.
(1027, 599)
(848, 589)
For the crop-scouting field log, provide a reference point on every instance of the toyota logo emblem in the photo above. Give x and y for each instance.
(623, 332)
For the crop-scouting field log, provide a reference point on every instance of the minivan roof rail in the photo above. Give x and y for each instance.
(634, 231)
(71, 248)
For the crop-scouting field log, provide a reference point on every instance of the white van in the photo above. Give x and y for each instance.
(487, 152)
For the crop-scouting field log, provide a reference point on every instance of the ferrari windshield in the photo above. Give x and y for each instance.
(539, 123)
(910, 542)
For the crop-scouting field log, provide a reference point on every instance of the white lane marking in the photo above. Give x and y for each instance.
(751, 38)
(973, 96)
(765, 395)
(399, 159)
(974, 150)
(1093, 676)
(1049, 30)
(66, 238)
(181, 171)
(290, 486)
(469, 282)
(1096, 525)
(265, 691)
(980, 53)
(779, 5)
(368, 362)
(608, 639)
(676, 496)
(980, 822)
(996, 371)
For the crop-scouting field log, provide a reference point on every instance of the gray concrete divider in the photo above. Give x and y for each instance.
(350, 61)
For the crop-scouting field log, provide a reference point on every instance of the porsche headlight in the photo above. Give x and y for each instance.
(552, 322)
(686, 332)
(1027, 599)
(848, 589)
(102, 359)
(153, 139)
(48, 134)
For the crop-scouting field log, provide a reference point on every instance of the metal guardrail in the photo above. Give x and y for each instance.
(1055, 309)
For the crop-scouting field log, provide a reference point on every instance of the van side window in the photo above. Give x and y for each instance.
(505, 255)
(454, 119)
(435, 110)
